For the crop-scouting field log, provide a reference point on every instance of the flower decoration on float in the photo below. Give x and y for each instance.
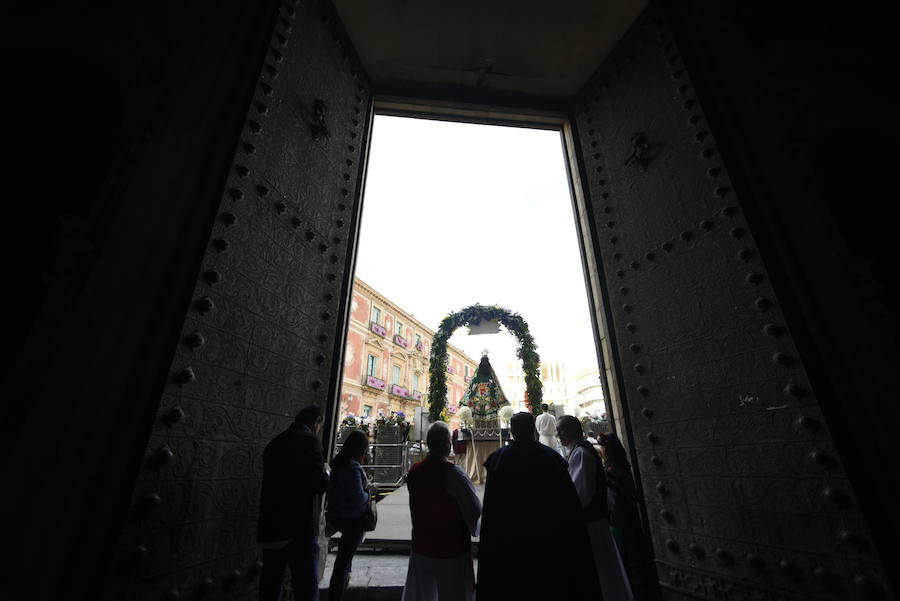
(465, 415)
(395, 418)
(505, 414)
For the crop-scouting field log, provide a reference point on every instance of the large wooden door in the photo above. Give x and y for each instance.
(745, 494)
(263, 335)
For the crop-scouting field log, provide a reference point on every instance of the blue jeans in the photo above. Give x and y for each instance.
(352, 532)
(303, 558)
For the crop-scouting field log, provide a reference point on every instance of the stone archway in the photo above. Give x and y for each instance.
(473, 315)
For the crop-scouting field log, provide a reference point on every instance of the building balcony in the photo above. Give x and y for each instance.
(417, 396)
(398, 390)
(373, 382)
(401, 341)
(378, 329)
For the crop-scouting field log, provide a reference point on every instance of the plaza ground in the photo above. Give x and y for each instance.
(379, 567)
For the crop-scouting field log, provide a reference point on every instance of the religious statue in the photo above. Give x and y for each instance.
(483, 427)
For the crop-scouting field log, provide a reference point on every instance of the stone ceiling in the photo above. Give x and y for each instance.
(535, 51)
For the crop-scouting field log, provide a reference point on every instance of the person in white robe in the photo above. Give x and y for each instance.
(586, 470)
(546, 427)
(445, 513)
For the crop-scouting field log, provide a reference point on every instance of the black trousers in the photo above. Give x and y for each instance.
(303, 558)
(352, 532)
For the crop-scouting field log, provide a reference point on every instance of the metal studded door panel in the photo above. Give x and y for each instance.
(259, 339)
(745, 494)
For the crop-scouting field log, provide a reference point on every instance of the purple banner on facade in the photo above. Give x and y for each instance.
(378, 329)
(417, 395)
(450, 369)
(399, 390)
(398, 339)
(467, 380)
(420, 346)
(375, 382)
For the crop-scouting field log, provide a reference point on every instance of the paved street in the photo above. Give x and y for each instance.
(378, 575)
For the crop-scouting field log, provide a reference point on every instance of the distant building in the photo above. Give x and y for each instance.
(556, 385)
(589, 392)
(387, 356)
(559, 388)
(515, 385)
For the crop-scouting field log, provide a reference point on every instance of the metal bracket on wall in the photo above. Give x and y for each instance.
(642, 152)
(318, 128)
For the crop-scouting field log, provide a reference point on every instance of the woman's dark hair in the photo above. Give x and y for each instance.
(616, 457)
(618, 469)
(354, 446)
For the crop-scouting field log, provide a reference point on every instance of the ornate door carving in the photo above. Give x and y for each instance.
(263, 333)
(746, 496)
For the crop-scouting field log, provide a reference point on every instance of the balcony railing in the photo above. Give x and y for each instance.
(399, 390)
(400, 340)
(374, 382)
(377, 329)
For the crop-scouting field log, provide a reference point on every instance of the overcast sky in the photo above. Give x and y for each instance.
(456, 214)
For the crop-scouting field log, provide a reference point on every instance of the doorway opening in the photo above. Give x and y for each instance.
(462, 208)
(457, 213)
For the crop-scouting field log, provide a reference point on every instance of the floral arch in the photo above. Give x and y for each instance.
(474, 315)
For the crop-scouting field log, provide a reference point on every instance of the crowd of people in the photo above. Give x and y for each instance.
(549, 493)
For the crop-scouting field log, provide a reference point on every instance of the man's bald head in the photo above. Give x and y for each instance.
(522, 426)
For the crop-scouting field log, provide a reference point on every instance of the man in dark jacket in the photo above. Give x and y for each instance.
(293, 475)
(531, 512)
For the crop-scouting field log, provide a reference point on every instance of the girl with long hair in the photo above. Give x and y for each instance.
(349, 492)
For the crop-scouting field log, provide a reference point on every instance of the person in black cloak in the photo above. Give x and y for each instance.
(531, 511)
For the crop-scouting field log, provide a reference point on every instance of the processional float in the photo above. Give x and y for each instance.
(484, 409)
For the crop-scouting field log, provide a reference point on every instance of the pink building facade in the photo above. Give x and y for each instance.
(386, 359)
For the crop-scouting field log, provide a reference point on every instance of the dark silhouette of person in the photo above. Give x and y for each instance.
(349, 493)
(624, 517)
(293, 475)
(531, 510)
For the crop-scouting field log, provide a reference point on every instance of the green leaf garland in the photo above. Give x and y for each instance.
(473, 315)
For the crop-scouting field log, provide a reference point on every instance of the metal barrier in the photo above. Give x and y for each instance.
(390, 463)
(389, 467)
(390, 457)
